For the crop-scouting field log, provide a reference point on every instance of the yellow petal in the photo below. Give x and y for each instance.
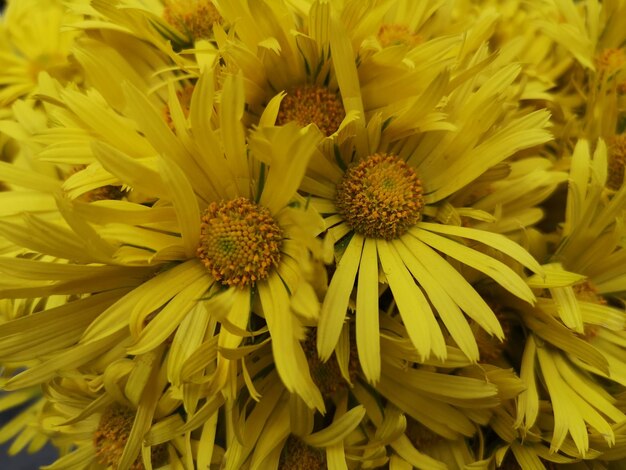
(447, 309)
(185, 203)
(335, 306)
(367, 334)
(493, 268)
(338, 430)
(290, 360)
(414, 309)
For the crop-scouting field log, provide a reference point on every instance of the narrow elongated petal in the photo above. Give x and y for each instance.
(493, 268)
(335, 304)
(420, 322)
(447, 309)
(290, 360)
(185, 204)
(338, 430)
(367, 334)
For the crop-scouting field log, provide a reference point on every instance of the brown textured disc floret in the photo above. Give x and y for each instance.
(380, 197)
(394, 34)
(192, 17)
(610, 60)
(240, 242)
(103, 193)
(297, 455)
(312, 104)
(491, 348)
(419, 435)
(111, 435)
(327, 375)
(617, 162)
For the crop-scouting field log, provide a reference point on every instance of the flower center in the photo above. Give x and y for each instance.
(240, 242)
(491, 348)
(312, 104)
(587, 292)
(617, 161)
(327, 375)
(610, 60)
(103, 193)
(111, 435)
(397, 34)
(380, 197)
(297, 455)
(195, 18)
(419, 435)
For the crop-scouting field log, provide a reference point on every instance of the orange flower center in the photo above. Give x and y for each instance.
(195, 18)
(312, 104)
(397, 34)
(297, 455)
(617, 161)
(327, 375)
(380, 197)
(610, 60)
(111, 435)
(240, 242)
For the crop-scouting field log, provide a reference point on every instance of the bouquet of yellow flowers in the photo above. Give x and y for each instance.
(314, 234)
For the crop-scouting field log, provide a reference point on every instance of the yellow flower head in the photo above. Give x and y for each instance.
(239, 242)
(31, 41)
(194, 18)
(384, 191)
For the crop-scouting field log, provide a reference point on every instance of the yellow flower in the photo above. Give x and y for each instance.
(191, 252)
(106, 418)
(591, 100)
(576, 400)
(590, 246)
(277, 428)
(309, 58)
(31, 41)
(435, 407)
(53, 160)
(380, 194)
(567, 362)
(23, 429)
(171, 26)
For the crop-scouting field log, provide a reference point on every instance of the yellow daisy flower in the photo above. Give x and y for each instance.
(277, 429)
(590, 241)
(250, 243)
(100, 419)
(53, 160)
(173, 27)
(507, 199)
(290, 63)
(32, 41)
(573, 334)
(592, 99)
(380, 195)
(566, 362)
(576, 400)
(443, 410)
(23, 429)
